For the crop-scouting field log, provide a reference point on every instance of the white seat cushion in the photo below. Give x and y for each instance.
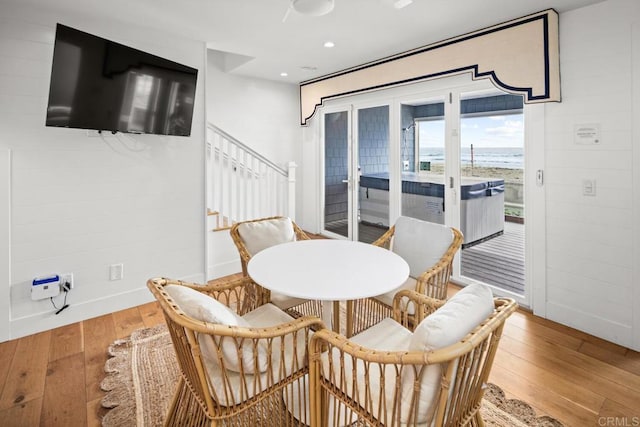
(237, 387)
(388, 335)
(284, 302)
(260, 235)
(387, 298)
(204, 308)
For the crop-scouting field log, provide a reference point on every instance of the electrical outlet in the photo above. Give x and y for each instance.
(589, 187)
(116, 272)
(66, 278)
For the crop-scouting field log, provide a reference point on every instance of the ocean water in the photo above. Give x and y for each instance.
(494, 157)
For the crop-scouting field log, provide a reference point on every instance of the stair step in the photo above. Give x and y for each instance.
(226, 223)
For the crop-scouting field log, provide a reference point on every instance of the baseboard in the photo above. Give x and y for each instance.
(586, 322)
(224, 269)
(78, 312)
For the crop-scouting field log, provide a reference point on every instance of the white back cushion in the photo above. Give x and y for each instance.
(444, 327)
(204, 308)
(420, 243)
(260, 235)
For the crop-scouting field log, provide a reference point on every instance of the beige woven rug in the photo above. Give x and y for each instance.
(142, 373)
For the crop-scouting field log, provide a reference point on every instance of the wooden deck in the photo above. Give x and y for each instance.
(498, 261)
(367, 233)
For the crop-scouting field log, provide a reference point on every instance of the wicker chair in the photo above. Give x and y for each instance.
(388, 375)
(238, 371)
(429, 250)
(250, 237)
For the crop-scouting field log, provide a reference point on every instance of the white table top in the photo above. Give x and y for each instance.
(328, 270)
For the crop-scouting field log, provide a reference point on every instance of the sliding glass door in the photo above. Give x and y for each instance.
(462, 155)
(492, 192)
(338, 213)
(423, 156)
(356, 172)
(450, 152)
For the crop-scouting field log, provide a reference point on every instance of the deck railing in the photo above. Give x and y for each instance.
(243, 184)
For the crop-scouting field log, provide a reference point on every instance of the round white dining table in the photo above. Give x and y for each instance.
(328, 270)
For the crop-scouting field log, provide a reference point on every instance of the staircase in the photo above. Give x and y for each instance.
(243, 184)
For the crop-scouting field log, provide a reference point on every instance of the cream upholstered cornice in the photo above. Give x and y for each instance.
(519, 56)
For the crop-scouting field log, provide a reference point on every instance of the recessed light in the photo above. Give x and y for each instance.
(399, 4)
(283, 74)
(329, 44)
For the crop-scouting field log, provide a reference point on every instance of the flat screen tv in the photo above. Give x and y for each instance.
(102, 85)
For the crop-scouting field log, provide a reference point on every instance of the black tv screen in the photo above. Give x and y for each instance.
(102, 85)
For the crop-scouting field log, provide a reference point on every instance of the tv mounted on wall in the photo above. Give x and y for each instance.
(102, 85)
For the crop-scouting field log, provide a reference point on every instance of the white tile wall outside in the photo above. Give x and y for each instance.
(590, 246)
(80, 203)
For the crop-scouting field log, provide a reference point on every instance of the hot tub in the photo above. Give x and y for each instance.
(481, 206)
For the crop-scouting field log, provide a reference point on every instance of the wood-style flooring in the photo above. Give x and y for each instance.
(52, 378)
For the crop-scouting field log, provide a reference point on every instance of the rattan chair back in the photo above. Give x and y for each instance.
(244, 398)
(307, 308)
(366, 387)
(433, 283)
(245, 255)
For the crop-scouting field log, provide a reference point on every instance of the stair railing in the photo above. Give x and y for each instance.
(244, 184)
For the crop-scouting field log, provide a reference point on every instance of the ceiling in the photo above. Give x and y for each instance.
(256, 42)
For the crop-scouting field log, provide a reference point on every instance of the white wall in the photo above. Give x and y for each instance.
(80, 203)
(5, 243)
(262, 114)
(593, 272)
(590, 244)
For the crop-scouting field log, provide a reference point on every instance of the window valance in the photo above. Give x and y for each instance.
(519, 56)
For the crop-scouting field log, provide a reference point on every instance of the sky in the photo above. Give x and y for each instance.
(494, 131)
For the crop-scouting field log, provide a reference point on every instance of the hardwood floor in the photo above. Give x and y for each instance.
(53, 378)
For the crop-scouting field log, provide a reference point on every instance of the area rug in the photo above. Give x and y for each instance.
(142, 373)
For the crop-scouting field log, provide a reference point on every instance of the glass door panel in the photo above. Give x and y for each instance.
(336, 173)
(491, 192)
(372, 180)
(423, 155)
